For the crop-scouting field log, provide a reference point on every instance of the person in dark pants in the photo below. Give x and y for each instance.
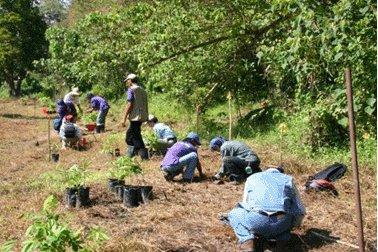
(137, 113)
(238, 159)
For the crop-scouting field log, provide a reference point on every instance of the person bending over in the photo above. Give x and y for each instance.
(182, 158)
(99, 104)
(238, 159)
(163, 132)
(271, 207)
(69, 133)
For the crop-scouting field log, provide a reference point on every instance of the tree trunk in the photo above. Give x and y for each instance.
(15, 85)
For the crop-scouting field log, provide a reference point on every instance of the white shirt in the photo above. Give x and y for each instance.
(70, 97)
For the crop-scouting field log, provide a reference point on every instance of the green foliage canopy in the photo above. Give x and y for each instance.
(22, 40)
(289, 52)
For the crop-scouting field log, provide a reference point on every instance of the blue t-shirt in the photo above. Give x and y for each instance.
(99, 103)
(130, 95)
(174, 153)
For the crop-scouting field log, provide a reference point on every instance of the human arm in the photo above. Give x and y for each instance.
(129, 107)
(298, 208)
(199, 168)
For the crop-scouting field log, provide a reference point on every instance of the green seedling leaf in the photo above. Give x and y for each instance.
(8, 246)
(343, 122)
(50, 204)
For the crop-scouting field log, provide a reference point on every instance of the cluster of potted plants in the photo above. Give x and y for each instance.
(132, 196)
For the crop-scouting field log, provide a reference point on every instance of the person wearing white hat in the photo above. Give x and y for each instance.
(71, 99)
(165, 135)
(136, 112)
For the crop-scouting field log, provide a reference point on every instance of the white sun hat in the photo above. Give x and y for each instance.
(75, 91)
(131, 77)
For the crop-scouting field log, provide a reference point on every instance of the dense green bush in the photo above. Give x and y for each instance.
(291, 53)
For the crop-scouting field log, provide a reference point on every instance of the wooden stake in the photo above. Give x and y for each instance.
(48, 136)
(229, 97)
(198, 111)
(35, 107)
(353, 150)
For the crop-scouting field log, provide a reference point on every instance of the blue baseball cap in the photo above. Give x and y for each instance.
(193, 136)
(217, 142)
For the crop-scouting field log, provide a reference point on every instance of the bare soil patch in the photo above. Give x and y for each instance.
(182, 217)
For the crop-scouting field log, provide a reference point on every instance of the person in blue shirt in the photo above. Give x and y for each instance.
(166, 137)
(271, 207)
(182, 157)
(99, 104)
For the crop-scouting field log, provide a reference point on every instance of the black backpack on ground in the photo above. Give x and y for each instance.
(322, 181)
(69, 130)
(331, 173)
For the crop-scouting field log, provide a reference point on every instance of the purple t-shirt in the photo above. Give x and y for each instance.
(178, 150)
(99, 103)
(130, 95)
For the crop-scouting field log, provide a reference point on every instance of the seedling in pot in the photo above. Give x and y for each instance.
(55, 153)
(123, 167)
(77, 194)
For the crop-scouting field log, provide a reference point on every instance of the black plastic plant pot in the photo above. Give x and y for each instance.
(132, 196)
(115, 182)
(146, 193)
(119, 190)
(71, 197)
(82, 198)
(117, 152)
(55, 157)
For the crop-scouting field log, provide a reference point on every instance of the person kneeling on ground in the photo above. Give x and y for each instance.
(70, 133)
(163, 132)
(182, 154)
(271, 207)
(238, 160)
(99, 104)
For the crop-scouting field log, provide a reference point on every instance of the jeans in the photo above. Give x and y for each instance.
(189, 161)
(235, 168)
(249, 224)
(101, 117)
(134, 136)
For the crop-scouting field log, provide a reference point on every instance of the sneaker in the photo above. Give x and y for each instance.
(167, 176)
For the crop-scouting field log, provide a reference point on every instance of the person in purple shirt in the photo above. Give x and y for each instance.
(182, 155)
(99, 104)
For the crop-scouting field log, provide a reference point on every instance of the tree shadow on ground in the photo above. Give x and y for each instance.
(19, 116)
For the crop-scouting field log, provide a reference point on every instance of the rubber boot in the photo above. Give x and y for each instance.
(130, 151)
(98, 129)
(103, 128)
(143, 153)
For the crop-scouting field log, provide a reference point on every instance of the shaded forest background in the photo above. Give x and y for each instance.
(281, 60)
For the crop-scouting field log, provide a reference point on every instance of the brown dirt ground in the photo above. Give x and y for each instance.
(182, 217)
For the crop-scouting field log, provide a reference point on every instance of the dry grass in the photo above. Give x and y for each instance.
(182, 217)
